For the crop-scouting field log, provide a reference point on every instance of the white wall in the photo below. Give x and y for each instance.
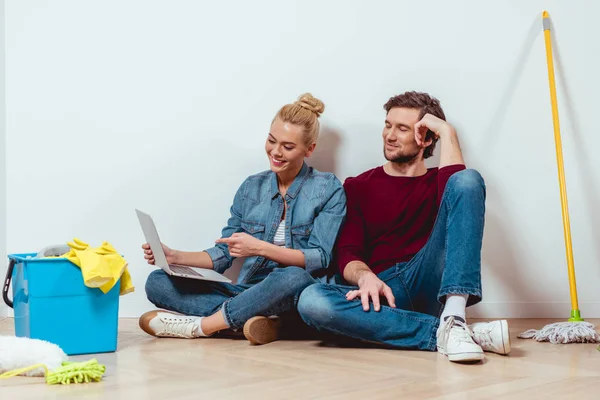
(3, 308)
(165, 106)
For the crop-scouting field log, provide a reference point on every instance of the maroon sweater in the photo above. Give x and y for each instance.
(390, 218)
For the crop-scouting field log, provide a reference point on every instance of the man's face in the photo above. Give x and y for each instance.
(399, 143)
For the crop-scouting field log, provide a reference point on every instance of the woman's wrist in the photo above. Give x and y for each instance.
(177, 257)
(263, 249)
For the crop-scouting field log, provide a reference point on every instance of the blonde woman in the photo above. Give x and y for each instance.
(284, 221)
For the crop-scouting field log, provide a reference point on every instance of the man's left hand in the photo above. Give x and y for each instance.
(438, 126)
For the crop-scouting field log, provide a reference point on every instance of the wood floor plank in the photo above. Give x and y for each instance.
(232, 369)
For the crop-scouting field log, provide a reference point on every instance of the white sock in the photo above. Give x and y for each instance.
(198, 328)
(455, 305)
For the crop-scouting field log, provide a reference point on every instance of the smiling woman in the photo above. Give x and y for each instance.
(284, 222)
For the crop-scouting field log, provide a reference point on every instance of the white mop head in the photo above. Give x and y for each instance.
(19, 352)
(564, 332)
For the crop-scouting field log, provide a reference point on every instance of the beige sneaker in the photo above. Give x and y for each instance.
(262, 330)
(167, 324)
(492, 336)
(455, 340)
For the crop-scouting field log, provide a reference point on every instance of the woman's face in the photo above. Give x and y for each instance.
(285, 147)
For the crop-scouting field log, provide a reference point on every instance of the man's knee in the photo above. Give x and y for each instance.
(466, 180)
(315, 306)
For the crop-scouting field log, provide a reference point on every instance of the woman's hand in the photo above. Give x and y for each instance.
(242, 245)
(149, 255)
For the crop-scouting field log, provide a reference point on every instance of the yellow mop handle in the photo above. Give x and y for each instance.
(561, 172)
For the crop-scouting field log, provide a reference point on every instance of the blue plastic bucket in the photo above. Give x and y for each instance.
(52, 303)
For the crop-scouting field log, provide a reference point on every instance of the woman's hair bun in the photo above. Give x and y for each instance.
(311, 103)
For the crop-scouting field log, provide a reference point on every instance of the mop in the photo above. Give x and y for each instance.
(575, 330)
(21, 356)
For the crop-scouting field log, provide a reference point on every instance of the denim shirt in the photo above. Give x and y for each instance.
(316, 208)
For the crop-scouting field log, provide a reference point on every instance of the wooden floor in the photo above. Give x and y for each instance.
(230, 368)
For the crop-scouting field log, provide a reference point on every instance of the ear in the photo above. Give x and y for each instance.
(310, 150)
(428, 138)
(427, 143)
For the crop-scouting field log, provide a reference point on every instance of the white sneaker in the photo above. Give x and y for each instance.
(167, 324)
(492, 336)
(455, 340)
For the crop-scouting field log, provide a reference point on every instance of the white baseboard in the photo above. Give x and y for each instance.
(561, 310)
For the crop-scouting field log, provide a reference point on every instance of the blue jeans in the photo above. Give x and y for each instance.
(276, 294)
(449, 263)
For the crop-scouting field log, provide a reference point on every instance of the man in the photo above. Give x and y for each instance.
(411, 245)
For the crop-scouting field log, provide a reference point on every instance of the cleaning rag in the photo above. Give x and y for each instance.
(101, 267)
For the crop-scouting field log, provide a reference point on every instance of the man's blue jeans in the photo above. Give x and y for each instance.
(278, 293)
(449, 263)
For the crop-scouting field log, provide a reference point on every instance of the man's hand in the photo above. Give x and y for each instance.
(371, 286)
(450, 153)
(439, 127)
(242, 245)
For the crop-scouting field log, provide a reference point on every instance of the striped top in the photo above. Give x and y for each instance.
(279, 239)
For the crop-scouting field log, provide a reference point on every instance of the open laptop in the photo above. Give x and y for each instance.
(160, 259)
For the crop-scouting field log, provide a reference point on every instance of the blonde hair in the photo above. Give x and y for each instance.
(304, 112)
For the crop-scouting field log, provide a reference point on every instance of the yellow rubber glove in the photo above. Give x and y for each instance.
(101, 267)
(126, 283)
(93, 267)
(118, 268)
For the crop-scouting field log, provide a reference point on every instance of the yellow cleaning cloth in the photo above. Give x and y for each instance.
(101, 267)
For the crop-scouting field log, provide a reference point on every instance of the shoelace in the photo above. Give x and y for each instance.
(464, 335)
(179, 326)
(484, 337)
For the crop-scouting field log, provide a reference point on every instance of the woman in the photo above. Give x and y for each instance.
(284, 221)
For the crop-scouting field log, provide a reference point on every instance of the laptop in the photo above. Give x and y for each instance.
(160, 259)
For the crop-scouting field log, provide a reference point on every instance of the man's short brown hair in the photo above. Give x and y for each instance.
(425, 104)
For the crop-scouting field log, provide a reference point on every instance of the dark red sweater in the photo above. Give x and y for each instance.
(390, 218)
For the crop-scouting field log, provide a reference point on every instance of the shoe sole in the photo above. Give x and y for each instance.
(463, 357)
(505, 337)
(144, 322)
(262, 330)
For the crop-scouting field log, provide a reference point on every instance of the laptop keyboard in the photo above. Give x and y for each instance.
(183, 270)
